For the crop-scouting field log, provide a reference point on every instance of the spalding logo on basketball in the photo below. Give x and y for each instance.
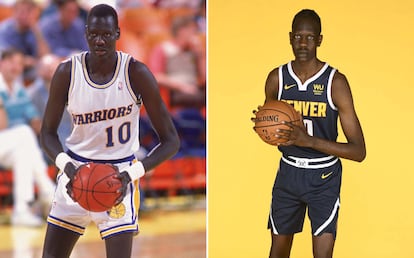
(269, 119)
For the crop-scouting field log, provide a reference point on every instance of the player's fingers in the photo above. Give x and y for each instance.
(119, 200)
(290, 124)
(286, 132)
(285, 143)
(70, 193)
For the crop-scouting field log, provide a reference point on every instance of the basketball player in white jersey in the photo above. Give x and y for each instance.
(103, 90)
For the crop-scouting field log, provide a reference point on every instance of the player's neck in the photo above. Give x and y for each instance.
(306, 69)
(101, 70)
(101, 65)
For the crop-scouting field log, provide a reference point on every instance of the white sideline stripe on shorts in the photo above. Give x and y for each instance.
(273, 223)
(326, 223)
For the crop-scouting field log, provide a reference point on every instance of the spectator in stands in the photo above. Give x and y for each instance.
(49, 7)
(179, 64)
(19, 149)
(21, 31)
(39, 93)
(201, 17)
(64, 30)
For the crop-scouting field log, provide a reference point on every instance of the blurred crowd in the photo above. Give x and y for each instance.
(35, 36)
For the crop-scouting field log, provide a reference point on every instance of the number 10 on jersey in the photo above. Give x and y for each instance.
(124, 134)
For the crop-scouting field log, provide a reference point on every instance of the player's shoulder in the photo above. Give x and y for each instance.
(65, 66)
(339, 78)
(274, 72)
(137, 66)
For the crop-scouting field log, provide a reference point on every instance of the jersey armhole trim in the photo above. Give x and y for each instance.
(279, 92)
(136, 99)
(329, 90)
(72, 77)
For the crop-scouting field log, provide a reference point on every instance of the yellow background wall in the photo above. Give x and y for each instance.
(372, 43)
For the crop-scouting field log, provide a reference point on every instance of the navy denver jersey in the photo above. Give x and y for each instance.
(314, 102)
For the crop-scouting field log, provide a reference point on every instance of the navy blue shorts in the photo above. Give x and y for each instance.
(297, 189)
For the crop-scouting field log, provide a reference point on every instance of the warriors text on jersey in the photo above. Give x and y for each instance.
(314, 101)
(105, 117)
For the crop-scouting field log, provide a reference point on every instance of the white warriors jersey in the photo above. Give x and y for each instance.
(105, 117)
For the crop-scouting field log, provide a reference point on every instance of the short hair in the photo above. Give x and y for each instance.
(310, 15)
(9, 52)
(103, 10)
(60, 3)
(180, 22)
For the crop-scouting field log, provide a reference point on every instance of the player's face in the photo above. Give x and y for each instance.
(304, 39)
(101, 34)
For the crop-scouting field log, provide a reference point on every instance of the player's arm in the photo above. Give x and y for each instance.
(271, 89)
(272, 85)
(58, 97)
(354, 148)
(144, 83)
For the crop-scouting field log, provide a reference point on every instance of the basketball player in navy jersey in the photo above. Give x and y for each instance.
(103, 90)
(309, 175)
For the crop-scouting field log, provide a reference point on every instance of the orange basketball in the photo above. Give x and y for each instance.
(269, 118)
(95, 187)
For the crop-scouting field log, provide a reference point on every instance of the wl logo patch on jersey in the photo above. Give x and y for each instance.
(318, 89)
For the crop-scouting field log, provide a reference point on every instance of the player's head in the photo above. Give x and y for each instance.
(102, 29)
(305, 36)
(103, 11)
(311, 16)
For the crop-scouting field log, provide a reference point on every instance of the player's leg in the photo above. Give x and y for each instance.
(119, 246)
(281, 246)
(324, 208)
(323, 245)
(120, 223)
(287, 211)
(59, 242)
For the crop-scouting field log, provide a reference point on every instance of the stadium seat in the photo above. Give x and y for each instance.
(6, 187)
(144, 20)
(162, 178)
(5, 12)
(134, 45)
(191, 172)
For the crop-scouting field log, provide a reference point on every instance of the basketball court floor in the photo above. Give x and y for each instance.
(167, 232)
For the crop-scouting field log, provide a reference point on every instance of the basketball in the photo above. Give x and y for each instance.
(269, 118)
(95, 187)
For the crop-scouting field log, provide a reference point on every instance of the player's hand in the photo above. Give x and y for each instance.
(295, 135)
(71, 171)
(254, 113)
(125, 180)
